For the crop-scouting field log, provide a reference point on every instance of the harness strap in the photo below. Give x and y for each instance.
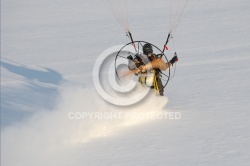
(156, 88)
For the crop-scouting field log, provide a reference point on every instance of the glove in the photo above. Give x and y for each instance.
(174, 59)
(130, 57)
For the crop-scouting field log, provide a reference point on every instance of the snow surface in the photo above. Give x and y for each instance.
(48, 50)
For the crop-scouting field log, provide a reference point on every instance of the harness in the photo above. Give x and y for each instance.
(149, 78)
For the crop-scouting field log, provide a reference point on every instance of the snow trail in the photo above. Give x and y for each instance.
(68, 125)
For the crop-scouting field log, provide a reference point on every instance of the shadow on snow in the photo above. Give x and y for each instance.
(37, 94)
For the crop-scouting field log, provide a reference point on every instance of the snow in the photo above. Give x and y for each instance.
(48, 51)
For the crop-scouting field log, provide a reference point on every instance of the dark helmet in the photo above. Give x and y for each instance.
(147, 49)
